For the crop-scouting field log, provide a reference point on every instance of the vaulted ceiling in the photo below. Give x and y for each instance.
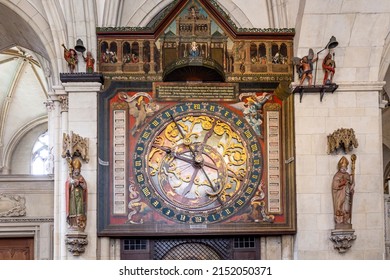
(15, 31)
(23, 91)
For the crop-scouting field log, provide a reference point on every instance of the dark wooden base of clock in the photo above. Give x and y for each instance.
(229, 248)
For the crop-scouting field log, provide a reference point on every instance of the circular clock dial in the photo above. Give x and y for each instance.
(198, 163)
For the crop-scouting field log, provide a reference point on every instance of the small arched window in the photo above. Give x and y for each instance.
(40, 155)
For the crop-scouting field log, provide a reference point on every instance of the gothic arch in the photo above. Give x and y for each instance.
(17, 137)
(385, 60)
(231, 8)
(35, 28)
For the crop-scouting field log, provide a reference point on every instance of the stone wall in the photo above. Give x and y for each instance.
(26, 210)
(351, 106)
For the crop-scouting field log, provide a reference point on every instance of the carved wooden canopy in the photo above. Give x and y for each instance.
(161, 51)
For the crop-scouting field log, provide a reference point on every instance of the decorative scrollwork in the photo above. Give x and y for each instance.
(12, 205)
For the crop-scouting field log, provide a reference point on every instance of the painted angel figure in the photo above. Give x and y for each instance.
(304, 67)
(141, 106)
(251, 105)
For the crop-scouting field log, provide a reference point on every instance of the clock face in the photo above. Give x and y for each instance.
(198, 163)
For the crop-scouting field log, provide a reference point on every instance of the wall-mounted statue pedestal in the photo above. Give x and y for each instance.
(76, 242)
(81, 77)
(342, 239)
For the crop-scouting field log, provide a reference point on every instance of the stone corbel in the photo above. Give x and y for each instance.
(342, 239)
(76, 242)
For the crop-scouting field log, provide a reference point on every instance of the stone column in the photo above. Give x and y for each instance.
(271, 248)
(387, 226)
(57, 124)
(81, 118)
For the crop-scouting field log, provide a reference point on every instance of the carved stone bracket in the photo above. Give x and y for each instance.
(342, 239)
(76, 242)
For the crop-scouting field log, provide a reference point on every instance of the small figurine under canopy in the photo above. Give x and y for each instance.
(194, 51)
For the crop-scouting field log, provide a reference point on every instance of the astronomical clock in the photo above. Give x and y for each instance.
(198, 163)
(195, 127)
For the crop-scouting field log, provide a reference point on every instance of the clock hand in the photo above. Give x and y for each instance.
(191, 183)
(217, 188)
(200, 163)
(187, 143)
(163, 148)
(168, 150)
(198, 159)
(217, 191)
(206, 137)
